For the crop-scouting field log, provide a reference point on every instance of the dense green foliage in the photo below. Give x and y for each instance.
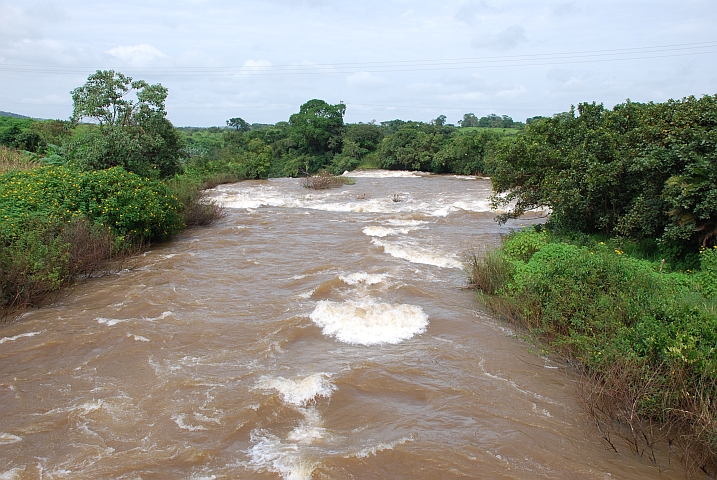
(135, 208)
(18, 133)
(418, 146)
(646, 171)
(57, 222)
(647, 337)
(133, 134)
(489, 121)
(316, 139)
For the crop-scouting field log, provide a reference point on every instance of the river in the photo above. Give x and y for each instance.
(308, 334)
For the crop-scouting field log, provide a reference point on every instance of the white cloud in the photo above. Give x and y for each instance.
(506, 39)
(512, 92)
(137, 55)
(51, 99)
(255, 66)
(471, 12)
(365, 79)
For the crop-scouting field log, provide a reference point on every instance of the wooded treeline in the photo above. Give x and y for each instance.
(643, 171)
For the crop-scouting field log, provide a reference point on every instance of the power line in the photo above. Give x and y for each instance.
(563, 58)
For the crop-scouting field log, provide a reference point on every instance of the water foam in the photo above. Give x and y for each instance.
(310, 429)
(417, 255)
(369, 323)
(373, 450)
(138, 338)
(22, 335)
(384, 174)
(111, 322)
(406, 223)
(6, 438)
(12, 474)
(301, 391)
(269, 453)
(179, 420)
(375, 231)
(363, 278)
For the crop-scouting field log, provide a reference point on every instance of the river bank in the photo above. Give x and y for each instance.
(222, 355)
(643, 336)
(59, 223)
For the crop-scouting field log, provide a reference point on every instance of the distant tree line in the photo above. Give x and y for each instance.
(489, 121)
(317, 138)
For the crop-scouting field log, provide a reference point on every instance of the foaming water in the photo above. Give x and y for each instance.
(369, 323)
(301, 391)
(307, 335)
(363, 278)
(416, 254)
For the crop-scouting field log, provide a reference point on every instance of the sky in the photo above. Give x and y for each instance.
(385, 59)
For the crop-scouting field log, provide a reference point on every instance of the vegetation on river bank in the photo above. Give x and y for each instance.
(622, 280)
(102, 192)
(645, 337)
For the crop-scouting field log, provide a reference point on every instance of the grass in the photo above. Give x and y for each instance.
(325, 180)
(643, 337)
(12, 160)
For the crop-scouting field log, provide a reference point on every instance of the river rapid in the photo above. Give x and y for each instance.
(308, 334)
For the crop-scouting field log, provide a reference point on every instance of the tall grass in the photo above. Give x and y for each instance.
(197, 209)
(11, 160)
(644, 340)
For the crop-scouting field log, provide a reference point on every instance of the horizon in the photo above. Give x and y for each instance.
(411, 60)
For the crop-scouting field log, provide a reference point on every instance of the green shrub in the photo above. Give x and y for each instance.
(135, 208)
(707, 277)
(646, 338)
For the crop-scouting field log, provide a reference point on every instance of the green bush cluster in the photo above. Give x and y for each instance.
(316, 139)
(603, 308)
(57, 222)
(645, 171)
(135, 208)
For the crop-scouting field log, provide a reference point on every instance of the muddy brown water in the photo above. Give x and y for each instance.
(306, 335)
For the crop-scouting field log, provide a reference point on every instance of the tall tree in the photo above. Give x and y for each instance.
(133, 129)
(469, 120)
(106, 98)
(239, 123)
(318, 126)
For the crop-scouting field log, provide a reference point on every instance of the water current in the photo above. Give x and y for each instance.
(308, 334)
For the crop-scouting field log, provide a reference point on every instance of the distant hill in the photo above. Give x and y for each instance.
(13, 115)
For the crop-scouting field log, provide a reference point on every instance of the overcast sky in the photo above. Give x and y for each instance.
(386, 59)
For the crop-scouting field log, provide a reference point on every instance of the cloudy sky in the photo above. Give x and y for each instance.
(408, 59)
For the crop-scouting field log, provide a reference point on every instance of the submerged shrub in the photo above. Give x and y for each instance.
(325, 180)
(197, 209)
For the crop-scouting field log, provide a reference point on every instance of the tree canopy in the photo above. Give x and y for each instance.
(133, 129)
(638, 170)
